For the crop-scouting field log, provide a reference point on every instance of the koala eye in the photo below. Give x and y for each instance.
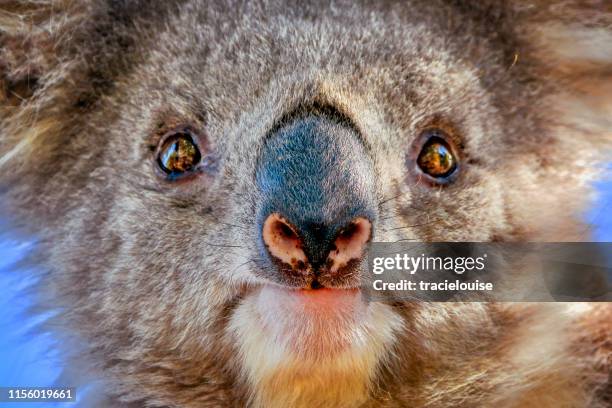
(178, 154)
(436, 157)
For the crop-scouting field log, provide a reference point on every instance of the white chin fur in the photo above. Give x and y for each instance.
(293, 344)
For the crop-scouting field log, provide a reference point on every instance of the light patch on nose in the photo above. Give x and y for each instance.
(350, 244)
(283, 242)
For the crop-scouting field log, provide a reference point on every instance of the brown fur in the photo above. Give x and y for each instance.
(148, 277)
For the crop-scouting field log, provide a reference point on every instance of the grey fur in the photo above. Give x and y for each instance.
(146, 274)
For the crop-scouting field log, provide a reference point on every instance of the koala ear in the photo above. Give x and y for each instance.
(572, 41)
(31, 33)
(34, 38)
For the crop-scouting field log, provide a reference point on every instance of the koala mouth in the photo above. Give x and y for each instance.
(306, 320)
(315, 284)
(320, 301)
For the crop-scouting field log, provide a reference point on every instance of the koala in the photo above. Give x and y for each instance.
(203, 180)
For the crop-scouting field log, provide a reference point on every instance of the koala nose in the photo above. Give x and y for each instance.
(299, 248)
(317, 202)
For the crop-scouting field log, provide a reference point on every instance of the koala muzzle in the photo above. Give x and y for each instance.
(318, 205)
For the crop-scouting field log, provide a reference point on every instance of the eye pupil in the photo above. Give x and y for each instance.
(179, 154)
(436, 158)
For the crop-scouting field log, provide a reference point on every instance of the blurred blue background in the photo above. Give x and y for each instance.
(28, 360)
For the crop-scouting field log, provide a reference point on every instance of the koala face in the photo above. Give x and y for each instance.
(212, 176)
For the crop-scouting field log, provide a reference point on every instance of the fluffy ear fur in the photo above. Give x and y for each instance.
(35, 65)
(30, 33)
(573, 42)
(57, 59)
(566, 44)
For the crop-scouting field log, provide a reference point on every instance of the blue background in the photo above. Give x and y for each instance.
(27, 359)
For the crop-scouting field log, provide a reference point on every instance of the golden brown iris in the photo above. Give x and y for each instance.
(436, 158)
(178, 154)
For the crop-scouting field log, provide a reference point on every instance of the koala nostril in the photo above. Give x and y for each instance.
(285, 231)
(309, 247)
(350, 243)
(282, 241)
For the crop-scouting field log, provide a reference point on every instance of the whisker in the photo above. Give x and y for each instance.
(242, 227)
(414, 225)
(243, 264)
(223, 245)
(386, 200)
(406, 240)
